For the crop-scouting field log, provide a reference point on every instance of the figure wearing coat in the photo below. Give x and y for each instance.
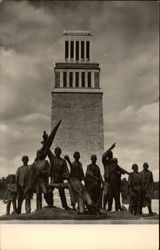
(93, 182)
(147, 187)
(22, 180)
(135, 187)
(39, 177)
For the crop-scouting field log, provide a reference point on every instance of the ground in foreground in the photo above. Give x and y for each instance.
(61, 214)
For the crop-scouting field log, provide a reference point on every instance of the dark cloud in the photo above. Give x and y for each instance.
(125, 43)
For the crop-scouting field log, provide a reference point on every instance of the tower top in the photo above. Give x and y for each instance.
(77, 73)
(77, 46)
(77, 33)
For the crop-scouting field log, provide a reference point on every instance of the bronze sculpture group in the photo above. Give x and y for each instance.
(88, 192)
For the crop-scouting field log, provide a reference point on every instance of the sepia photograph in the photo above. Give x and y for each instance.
(79, 113)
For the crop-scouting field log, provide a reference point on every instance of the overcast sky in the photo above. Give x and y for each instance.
(125, 44)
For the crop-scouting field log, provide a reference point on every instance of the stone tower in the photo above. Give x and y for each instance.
(77, 99)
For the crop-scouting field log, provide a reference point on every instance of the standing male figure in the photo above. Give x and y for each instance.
(113, 171)
(58, 172)
(106, 160)
(125, 191)
(94, 181)
(119, 172)
(22, 175)
(147, 187)
(112, 175)
(76, 171)
(39, 175)
(135, 187)
(76, 167)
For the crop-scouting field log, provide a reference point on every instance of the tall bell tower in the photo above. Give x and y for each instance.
(77, 99)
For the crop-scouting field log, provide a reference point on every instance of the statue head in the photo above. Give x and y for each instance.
(76, 155)
(135, 167)
(115, 161)
(93, 159)
(12, 178)
(3, 179)
(40, 155)
(124, 180)
(57, 151)
(25, 159)
(145, 166)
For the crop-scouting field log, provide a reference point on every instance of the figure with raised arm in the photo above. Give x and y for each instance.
(112, 176)
(58, 172)
(76, 171)
(106, 160)
(39, 175)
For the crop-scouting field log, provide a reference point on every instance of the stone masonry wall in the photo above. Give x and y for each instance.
(82, 124)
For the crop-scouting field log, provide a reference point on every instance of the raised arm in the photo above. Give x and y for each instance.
(122, 170)
(107, 152)
(49, 153)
